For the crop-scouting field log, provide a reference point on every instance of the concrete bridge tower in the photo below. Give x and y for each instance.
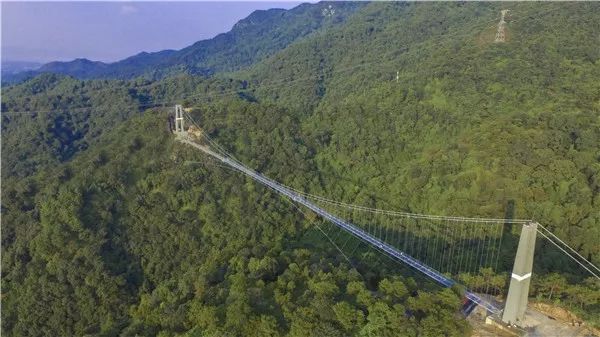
(518, 291)
(178, 118)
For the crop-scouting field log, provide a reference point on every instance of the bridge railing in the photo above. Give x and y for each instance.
(348, 227)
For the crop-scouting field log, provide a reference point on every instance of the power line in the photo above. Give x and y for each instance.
(274, 83)
(205, 95)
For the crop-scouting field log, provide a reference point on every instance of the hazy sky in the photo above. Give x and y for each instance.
(109, 31)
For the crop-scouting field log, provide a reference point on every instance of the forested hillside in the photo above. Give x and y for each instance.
(469, 124)
(110, 227)
(252, 39)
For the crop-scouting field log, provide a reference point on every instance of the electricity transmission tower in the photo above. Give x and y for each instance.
(500, 35)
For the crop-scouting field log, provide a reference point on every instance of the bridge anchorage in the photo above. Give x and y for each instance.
(400, 237)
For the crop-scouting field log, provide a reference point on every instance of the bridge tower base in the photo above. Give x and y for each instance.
(518, 291)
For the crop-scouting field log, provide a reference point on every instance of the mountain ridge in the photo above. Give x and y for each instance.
(406, 106)
(229, 51)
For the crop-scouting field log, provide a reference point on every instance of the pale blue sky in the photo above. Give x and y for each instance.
(109, 31)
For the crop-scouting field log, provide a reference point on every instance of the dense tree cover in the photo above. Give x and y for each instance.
(134, 237)
(51, 118)
(469, 125)
(109, 227)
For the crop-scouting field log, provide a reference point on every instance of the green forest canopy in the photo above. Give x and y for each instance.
(110, 228)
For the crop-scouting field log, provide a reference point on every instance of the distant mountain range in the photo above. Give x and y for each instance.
(110, 227)
(14, 67)
(259, 35)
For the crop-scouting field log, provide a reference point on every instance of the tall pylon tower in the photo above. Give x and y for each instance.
(178, 118)
(500, 35)
(518, 291)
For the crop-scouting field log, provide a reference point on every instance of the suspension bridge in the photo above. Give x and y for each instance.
(436, 246)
